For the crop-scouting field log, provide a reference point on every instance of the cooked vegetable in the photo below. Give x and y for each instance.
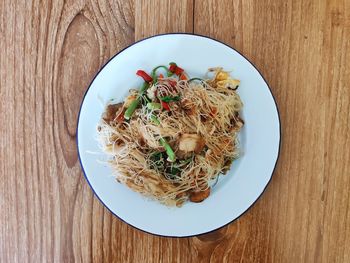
(155, 119)
(157, 160)
(174, 68)
(153, 106)
(165, 105)
(144, 75)
(183, 77)
(131, 108)
(169, 151)
(173, 171)
(173, 83)
(129, 99)
(154, 72)
(143, 88)
(133, 104)
(170, 98)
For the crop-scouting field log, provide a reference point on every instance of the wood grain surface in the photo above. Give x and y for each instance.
(50, 51)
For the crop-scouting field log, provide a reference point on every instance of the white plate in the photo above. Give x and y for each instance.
(248, 176)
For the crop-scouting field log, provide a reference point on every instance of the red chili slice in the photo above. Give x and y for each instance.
(183, 77)
(165, 105)
(172, 67)
(144, 75)
(178, 71)
(172, 83)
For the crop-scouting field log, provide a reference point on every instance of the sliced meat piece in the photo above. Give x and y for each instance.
(111, 112)
(199, 196)
(191, 143)
(183, 155)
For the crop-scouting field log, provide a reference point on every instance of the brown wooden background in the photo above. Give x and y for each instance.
(50, 51)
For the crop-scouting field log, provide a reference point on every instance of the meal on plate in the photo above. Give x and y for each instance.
(172, 138)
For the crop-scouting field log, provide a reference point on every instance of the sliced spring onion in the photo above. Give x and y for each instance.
(143, 88)
(168, 150)
(146, 98)
(154, 106)
(154, 72)
(155, 119)
(133, 105)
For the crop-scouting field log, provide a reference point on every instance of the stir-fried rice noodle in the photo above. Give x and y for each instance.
(207, 109)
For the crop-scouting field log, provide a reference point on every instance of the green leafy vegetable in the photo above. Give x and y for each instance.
(157, 161)
(170, 98)
(174, 170)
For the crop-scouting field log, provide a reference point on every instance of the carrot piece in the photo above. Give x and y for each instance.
(183, 77)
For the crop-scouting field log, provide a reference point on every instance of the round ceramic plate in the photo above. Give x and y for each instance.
(259, 139)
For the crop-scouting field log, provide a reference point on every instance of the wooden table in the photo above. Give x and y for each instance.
(50, 51)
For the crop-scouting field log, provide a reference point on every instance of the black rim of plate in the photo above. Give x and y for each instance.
(279, 146)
